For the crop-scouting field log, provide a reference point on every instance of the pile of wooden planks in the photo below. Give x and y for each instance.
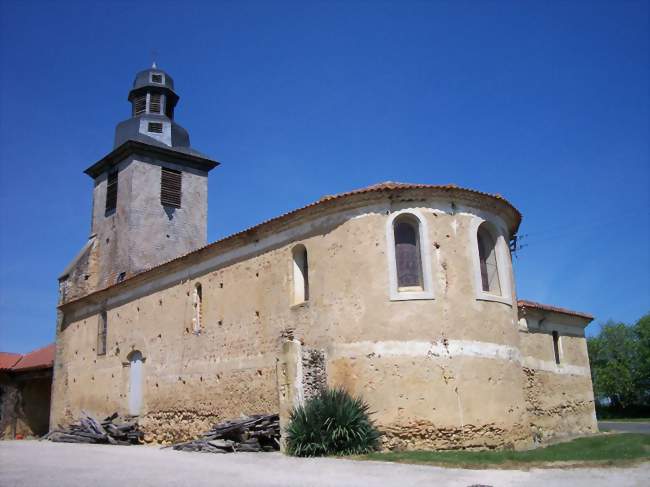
(259, 432)
(90, 430)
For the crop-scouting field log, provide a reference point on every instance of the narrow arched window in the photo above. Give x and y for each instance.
(102, 331)
(556, 347)
(488, 261)
(197, 304)
(300, 274)
(408, 260)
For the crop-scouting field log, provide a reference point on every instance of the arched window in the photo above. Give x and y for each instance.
(197, 304)
(488, 261)
(300, 275)
(408, 261)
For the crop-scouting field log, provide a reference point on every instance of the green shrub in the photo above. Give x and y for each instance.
(332, 423)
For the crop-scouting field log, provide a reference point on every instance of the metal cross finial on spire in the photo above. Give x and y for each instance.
(154, 55)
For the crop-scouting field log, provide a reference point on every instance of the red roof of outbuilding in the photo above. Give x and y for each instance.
(8, 360)
(522, 303)
(43, 358)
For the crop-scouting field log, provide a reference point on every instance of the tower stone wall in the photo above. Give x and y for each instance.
(141, 232)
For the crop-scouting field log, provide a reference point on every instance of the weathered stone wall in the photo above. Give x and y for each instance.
(9, 402)
(559, 397)
(314, 372)
(442, 371)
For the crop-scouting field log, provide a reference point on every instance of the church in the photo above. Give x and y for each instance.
(401, 293)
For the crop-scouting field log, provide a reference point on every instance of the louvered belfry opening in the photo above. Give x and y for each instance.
(171, 187)
(155, 127)
(154, 103)
(111, 192)
(139, 104)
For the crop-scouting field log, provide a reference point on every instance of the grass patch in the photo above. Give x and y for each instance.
(604, 449)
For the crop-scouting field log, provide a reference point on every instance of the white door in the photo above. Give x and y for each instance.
(135, 383)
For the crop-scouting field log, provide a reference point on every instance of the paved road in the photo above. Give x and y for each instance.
(630, 427)
(36, 464)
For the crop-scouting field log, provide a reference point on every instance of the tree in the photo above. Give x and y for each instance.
(620, 362)
(642, 376)
(612, 355)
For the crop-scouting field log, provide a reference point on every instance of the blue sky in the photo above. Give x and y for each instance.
(545, 103)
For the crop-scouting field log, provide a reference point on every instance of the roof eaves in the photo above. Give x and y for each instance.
(523, 304)
(41, 358)
(131, 146)
(9, 360)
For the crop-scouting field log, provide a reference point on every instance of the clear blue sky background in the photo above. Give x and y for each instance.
(543, 102)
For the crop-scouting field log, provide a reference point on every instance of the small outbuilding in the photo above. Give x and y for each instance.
(25, 389)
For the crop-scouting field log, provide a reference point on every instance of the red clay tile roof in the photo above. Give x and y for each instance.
(43, 358)
(522, 303)
(386, 186)
(8, 360)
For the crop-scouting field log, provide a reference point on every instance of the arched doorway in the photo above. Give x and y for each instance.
(135, 382)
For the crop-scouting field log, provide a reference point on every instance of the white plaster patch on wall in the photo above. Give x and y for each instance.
(448, 349)
(562, 369)
(484, 350)
(298, 386)
(547, 326)
(522, 324)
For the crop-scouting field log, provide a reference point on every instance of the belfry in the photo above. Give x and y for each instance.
(153, 100)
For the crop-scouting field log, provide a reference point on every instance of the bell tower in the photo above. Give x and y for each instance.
(150, 196)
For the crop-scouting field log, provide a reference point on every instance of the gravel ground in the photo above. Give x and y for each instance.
(42, 463)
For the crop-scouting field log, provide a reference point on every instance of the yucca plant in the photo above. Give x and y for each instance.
(332, 423)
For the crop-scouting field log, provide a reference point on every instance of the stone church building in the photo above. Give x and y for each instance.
(401, 293)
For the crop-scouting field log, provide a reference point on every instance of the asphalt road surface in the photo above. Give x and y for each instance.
(42, 463)
(630, 427)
